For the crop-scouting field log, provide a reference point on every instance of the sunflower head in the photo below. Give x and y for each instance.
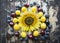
(29, 19)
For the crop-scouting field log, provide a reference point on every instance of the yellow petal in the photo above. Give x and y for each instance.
(36, 26)
(19, 19)
(23, 29)
(20, 25)
(31, 28)
(39, 22)
(27, 28)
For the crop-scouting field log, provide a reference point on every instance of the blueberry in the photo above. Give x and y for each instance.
(47, 22)
(31, 5)
(11, 11)
(8, 21)
(18, 7)
(49, 26)
(42, 38)
(46, 36)
(26, 38)
(47, 16)
(34, 3)
(8, 17)
(47, 29)
(21, 39)
(47, 33)
(35, 38)
(38, 6)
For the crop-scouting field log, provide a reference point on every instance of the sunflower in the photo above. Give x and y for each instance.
(29, 21)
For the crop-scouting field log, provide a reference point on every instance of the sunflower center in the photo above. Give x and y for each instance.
(29, 20)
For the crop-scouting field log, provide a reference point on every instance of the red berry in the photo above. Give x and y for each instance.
(13, 15)
(30, 36)
(26, 5)
(42, 32)
(11, 24)
(17, 34)
(40, 9)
